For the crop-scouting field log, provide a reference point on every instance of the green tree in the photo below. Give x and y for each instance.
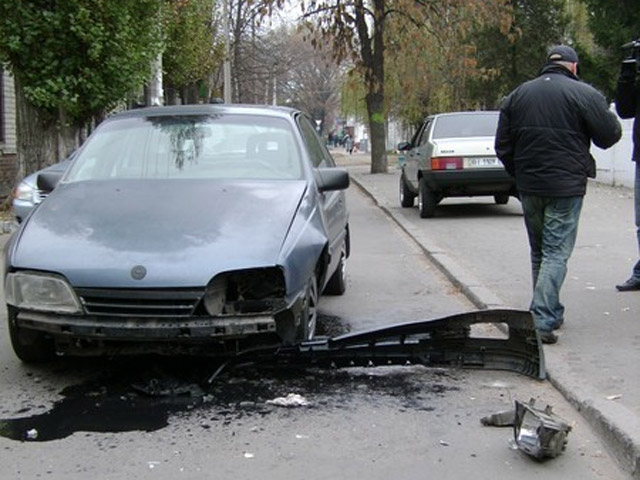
(192, 52)
(513, 52)
(612, 23)
(439, 77)
(72, 61)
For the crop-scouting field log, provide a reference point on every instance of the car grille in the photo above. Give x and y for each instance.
(140, 303)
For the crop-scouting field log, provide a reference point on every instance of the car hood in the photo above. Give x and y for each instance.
(182, 232)
(464, 146)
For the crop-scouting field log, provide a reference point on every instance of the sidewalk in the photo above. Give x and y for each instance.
(596, 361)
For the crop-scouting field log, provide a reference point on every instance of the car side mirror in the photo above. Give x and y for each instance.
(404, 146)
(47, 181)
(329, 179)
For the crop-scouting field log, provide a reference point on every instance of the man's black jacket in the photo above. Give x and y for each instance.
(628, 106)
(545, 129)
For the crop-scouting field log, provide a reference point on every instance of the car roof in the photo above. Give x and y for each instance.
(470, 112)
(208, 109)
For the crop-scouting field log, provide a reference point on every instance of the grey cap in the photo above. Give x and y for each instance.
(562, 53)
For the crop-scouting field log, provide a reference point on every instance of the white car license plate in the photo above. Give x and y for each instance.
(481, 162)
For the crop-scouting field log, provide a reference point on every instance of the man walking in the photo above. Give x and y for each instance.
(628, 106)
(544, 133)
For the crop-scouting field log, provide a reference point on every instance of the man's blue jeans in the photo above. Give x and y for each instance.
(552, 226)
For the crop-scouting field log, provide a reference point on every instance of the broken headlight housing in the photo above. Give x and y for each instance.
(245, 292)
(40, 291)
(538, 432)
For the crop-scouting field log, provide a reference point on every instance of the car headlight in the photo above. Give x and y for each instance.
(215, 296)
(40, 291)
(26, 193)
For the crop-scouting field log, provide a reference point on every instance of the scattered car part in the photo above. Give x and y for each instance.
(442, 342)
(538, 432)
(504, 418)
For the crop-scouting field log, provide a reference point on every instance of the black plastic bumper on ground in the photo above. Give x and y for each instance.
(444, 342)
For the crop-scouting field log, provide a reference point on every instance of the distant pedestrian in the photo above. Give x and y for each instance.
(628, 106)
(543, 139)
(349, 144)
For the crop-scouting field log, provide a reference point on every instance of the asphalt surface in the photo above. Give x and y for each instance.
(595, 363)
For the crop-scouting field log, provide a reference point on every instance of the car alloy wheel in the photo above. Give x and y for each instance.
(309, 315)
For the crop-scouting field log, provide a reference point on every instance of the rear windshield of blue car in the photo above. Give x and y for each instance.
(474, 125)
(190, 147)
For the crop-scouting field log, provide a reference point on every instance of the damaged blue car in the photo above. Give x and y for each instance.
(201, 229)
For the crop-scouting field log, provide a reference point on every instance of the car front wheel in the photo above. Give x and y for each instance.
(427, 200)
(29, 346)
(407, 197)
(337, 284)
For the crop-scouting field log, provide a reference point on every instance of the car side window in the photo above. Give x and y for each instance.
(318, 153)
(424, 134)
(416, 136)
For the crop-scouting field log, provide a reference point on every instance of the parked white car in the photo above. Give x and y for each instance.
(452, 155)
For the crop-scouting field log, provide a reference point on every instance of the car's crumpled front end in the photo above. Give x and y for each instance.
(203, 283)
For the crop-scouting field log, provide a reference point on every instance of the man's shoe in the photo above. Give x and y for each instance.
(629, 285)
(547, 337)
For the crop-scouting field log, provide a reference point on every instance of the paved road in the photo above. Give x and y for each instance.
(400, 422)
(483, 248)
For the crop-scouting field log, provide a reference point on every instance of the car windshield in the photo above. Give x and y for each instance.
(475, 125)
(188, 147)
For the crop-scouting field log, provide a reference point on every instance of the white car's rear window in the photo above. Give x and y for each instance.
(475, 125)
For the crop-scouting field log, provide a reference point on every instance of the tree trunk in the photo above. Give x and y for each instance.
(375, 109)
(42, 139)
(372, 52)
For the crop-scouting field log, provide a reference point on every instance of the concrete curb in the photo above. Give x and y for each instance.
(615, 424)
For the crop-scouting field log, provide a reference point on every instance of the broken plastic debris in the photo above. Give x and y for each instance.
(504, 418)
(538, 431)
(32, 434)
(291, 400)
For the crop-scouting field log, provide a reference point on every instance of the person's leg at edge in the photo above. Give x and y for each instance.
(636, 268)
(633, 283)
